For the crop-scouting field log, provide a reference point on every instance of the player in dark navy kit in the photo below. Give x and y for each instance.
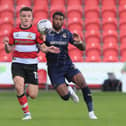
(60, 66)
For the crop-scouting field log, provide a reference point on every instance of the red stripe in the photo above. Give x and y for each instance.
(25, 43)
(25, 54)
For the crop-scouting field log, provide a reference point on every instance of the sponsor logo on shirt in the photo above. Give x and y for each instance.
(30, 36)
(24, 35)
(64, 35)
(58, 42)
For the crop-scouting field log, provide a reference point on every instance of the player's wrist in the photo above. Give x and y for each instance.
(78, 42)
(6, 44)
(47, 50)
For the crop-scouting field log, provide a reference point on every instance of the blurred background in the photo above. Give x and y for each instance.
(102, 26)
(100, 23)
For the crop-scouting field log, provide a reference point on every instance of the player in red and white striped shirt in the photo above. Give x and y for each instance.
(23, 42)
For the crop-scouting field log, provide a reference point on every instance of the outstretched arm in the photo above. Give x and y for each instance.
(8, 48)
(77, 42)
(44, 48)
(52, 49)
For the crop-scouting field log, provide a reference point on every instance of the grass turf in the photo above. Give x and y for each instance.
(49, 110)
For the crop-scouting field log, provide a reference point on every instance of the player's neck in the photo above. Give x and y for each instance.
(25, 27)
(57, 30)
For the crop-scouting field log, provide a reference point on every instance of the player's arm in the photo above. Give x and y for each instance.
(78, 42)
(8, 48)
(44, 48)
(52, 49)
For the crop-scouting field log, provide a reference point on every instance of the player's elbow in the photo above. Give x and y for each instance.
(7, 51)
(82, 48)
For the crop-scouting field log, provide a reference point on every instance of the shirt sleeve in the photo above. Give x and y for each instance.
(71, 38)
(11, 39)
(38, 39)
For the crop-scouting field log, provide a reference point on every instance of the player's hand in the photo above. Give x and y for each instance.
(43, 37)
(8, 48)
(76, 37)
(77, 42)
(6, 40)
(53, 49)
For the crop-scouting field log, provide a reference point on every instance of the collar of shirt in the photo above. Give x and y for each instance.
(53, 30)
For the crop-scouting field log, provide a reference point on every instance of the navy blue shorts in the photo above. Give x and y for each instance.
(58, 74)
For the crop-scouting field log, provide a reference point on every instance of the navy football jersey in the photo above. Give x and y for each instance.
(61, 41)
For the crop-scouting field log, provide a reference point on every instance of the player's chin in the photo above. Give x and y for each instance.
(27, 24)
(57, 27)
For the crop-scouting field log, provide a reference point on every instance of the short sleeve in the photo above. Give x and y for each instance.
(11, 39)
(38, 39)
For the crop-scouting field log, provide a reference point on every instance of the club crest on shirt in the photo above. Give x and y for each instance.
(64, 35)
(29, 36)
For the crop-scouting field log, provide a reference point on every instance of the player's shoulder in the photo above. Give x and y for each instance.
(66, 30)
(34, 27)
(16, 28)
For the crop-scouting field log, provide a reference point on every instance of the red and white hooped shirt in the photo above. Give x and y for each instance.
(25, 41)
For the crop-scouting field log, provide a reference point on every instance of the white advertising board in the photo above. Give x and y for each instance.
(94, 73)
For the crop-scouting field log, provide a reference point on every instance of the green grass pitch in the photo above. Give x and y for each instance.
(49, 110)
